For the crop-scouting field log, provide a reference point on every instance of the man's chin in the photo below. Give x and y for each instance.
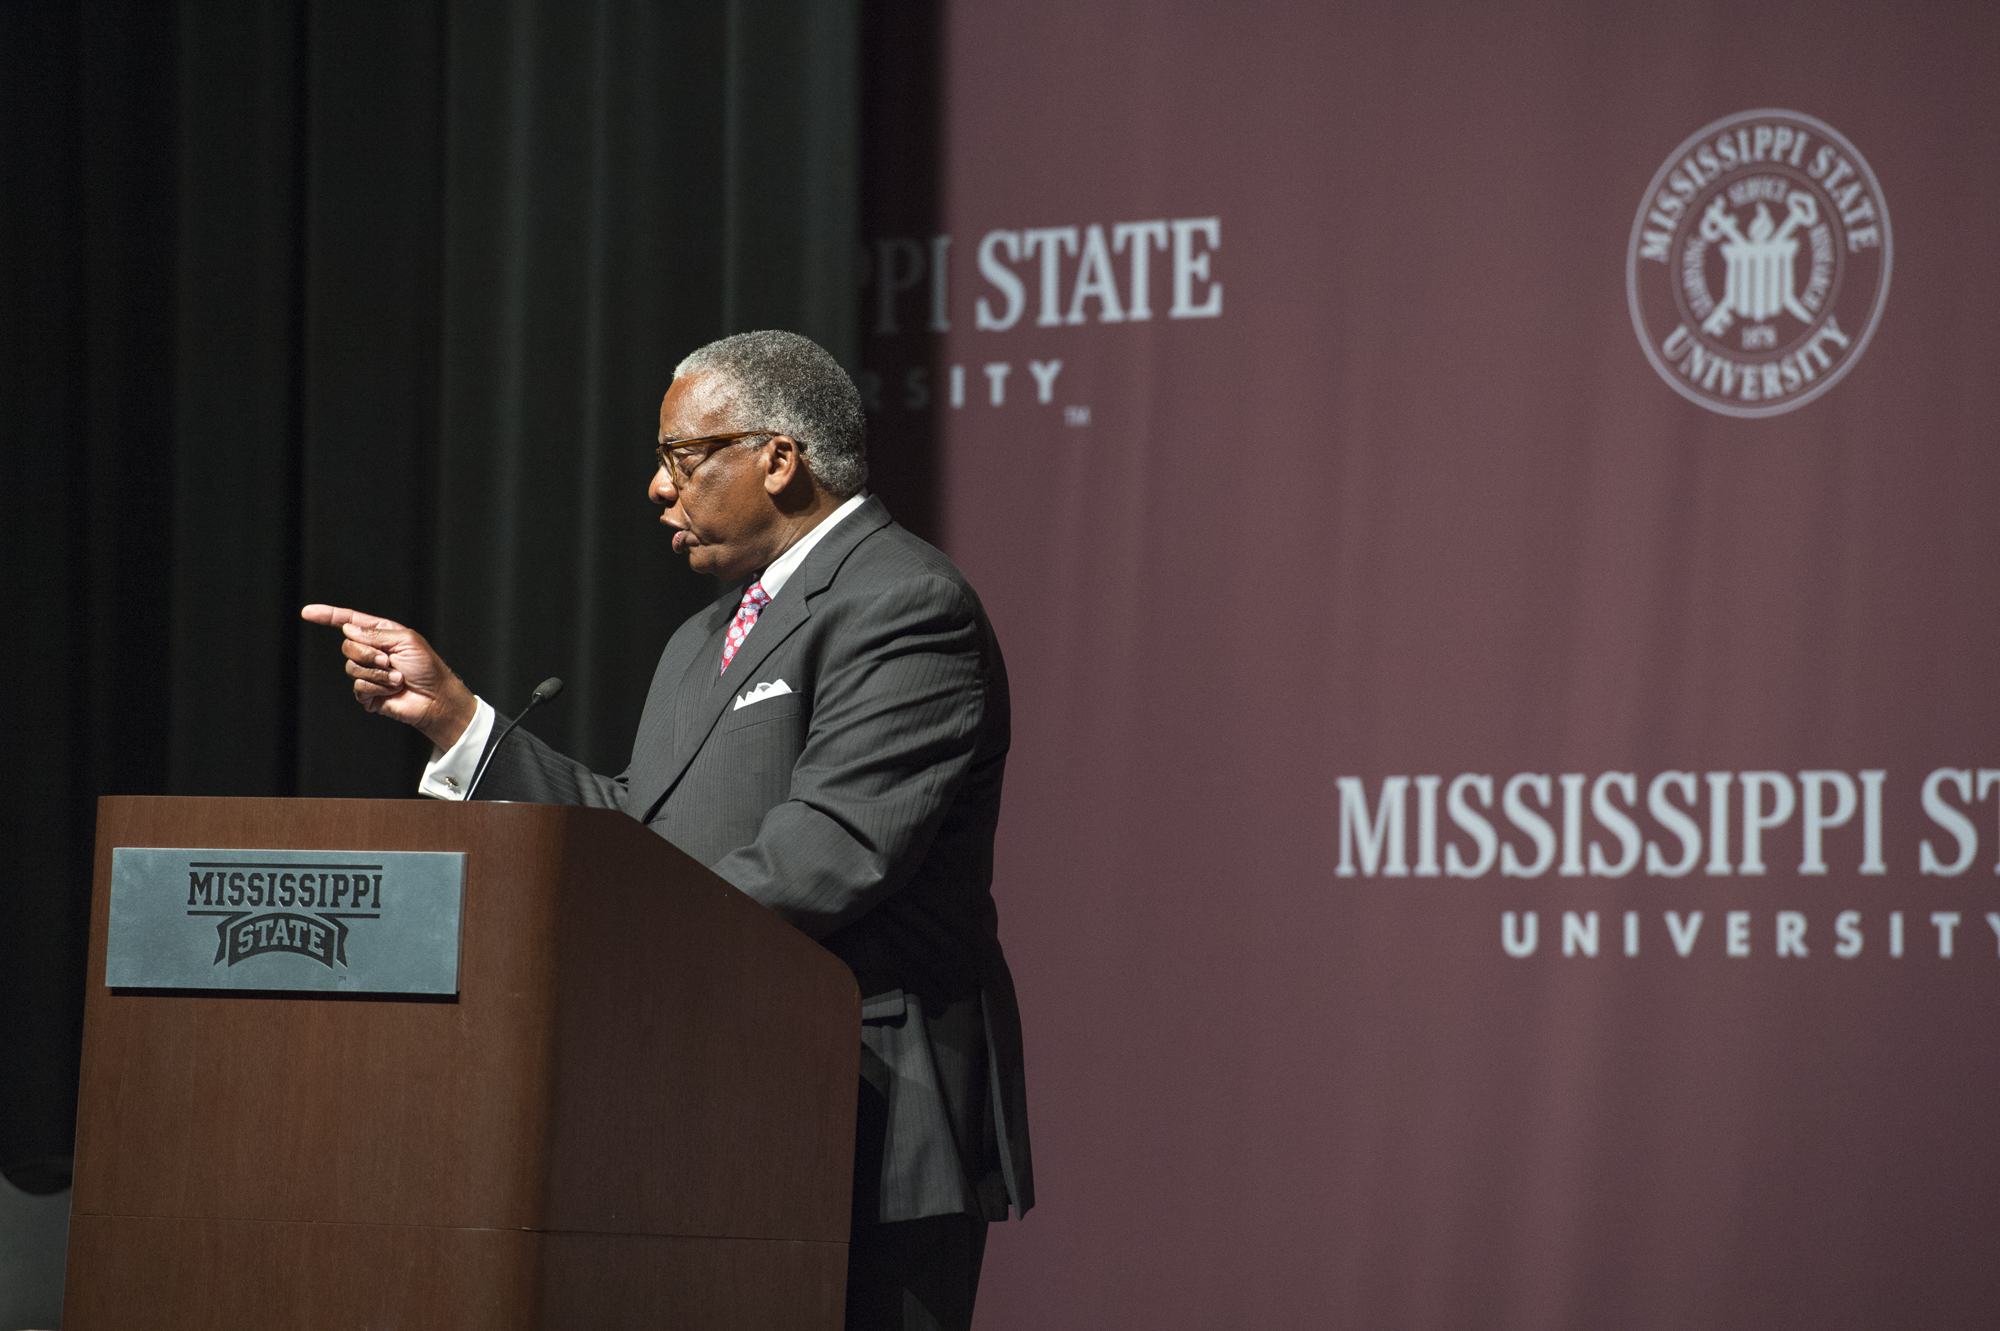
(714, 562)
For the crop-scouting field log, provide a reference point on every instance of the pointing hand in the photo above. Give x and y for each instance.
(398, 675)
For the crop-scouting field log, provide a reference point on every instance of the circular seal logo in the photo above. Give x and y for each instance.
(1759, 263)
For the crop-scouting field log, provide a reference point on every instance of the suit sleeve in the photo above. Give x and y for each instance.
(897, 713)
(528, 770)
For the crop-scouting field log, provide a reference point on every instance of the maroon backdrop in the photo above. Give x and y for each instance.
(1378, 592)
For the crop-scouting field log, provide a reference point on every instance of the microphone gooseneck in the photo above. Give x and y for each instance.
(544, 692)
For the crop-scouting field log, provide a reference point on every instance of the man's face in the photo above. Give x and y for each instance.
(723, 517)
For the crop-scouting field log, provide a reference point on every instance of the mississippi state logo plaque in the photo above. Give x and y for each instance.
(1759, 263)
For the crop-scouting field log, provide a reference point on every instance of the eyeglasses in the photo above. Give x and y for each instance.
(681, 457)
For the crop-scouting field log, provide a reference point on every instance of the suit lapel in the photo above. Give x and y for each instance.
(697, 640)
(702, 696)
(694, 692)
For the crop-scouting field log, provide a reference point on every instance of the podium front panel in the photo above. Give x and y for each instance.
(638, 1056)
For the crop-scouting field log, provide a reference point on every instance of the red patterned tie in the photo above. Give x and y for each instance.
(755, 598)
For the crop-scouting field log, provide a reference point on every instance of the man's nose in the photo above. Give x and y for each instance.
(662, 491)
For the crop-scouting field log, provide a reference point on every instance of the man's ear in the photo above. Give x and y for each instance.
(785, 465)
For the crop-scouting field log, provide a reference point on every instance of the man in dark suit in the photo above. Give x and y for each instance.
(829, 736)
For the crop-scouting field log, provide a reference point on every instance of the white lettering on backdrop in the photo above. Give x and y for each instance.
(1063, 276)
(1673, 825)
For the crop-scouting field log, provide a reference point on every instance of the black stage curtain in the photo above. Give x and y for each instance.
(367, 303)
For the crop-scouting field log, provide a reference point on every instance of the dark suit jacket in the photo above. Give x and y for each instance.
(861, 808)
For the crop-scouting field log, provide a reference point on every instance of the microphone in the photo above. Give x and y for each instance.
(544, 692)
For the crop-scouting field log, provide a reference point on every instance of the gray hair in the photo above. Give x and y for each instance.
(788, 383)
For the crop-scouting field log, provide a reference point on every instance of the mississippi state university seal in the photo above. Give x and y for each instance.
(1759, 263)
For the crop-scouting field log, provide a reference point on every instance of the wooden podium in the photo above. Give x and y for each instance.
(638, 1110)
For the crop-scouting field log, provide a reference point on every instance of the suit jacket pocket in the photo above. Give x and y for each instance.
(758, 713)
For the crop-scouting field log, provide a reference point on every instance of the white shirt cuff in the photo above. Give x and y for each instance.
(449, 774)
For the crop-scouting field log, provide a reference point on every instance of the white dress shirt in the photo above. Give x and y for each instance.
(448, 774)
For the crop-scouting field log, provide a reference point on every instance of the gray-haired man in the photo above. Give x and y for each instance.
(829, 736)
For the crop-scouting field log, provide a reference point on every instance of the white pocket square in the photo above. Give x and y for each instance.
(776, 688)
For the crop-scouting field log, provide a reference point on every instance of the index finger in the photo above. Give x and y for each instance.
(333, 616)
(330, 615)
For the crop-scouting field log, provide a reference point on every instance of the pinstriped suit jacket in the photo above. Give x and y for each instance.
(861, 807)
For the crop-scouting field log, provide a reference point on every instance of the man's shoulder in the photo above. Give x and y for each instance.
(889, 554)
(891, 572)
(895, 551)
(894, 583)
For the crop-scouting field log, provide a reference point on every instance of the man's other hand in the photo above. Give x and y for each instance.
(397, 674)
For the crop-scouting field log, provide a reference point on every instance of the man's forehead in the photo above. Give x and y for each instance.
(696, 404)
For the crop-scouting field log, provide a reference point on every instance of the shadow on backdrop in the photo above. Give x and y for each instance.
(904, 259)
